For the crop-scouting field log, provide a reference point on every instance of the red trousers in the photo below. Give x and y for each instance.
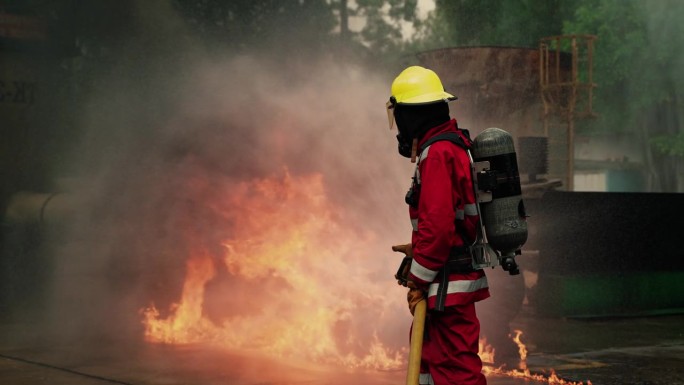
(450, 348)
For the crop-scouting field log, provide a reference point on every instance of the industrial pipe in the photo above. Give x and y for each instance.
(27, 207)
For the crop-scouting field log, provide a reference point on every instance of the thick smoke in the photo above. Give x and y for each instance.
(169, 137)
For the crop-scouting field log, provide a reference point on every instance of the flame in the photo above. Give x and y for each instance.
(522, 349)
(290, 284)
(187, 324)
(524, 371)
(486, 351)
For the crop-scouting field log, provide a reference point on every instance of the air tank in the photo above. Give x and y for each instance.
(504, 215)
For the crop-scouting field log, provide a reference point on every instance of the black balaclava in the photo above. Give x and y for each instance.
(413, 120)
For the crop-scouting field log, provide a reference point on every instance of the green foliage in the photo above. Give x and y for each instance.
(672, 145)
(639, 66)
(379, 33)
(621, 37)
(383, 24)
(248, 24)
(303, 25)
(638, 60)
(493, 22)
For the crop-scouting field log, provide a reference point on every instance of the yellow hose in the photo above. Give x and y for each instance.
(413, 373)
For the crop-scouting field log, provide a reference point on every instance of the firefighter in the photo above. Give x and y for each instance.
(444, 219)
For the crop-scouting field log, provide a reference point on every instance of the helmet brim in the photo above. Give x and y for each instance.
(429, 98)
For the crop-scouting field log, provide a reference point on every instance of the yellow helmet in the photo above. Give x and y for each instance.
(418, 85)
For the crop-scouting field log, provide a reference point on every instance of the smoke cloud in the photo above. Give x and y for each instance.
(177, 144)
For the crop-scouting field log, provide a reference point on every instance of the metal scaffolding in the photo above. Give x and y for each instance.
(566, 90)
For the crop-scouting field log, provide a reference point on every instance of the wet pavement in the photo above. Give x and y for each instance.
(639, 351)
(644, 351)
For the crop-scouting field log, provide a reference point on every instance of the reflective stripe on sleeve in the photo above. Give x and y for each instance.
(414, 224)
(470, 209)
(460, 286)
(422, 272)
(424, 154)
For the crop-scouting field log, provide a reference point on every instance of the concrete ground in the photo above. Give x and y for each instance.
(639, 351)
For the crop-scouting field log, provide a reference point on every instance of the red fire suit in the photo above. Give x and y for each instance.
(444, 216)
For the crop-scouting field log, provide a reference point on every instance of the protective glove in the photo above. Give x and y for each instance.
(414, 296)
(402, 274)
(407, 249)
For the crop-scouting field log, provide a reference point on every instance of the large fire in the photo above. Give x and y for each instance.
(294, 288)
(292, 280)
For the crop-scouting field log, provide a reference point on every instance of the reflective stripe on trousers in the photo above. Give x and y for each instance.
(425, 379)
(460, 286)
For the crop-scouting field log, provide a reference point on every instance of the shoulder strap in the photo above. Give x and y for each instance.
(450, 136)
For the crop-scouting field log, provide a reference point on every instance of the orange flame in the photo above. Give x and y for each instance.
(486, 351)
(524, 372)
(292, 286)
(187, 324)
(522, 349)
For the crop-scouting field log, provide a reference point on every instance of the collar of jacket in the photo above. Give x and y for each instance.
(449, 126)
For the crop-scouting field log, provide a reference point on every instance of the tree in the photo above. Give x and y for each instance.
(638, 61)
(640, 67)
(383, 22)
(307, 26)
(264, 24)
(492, 22)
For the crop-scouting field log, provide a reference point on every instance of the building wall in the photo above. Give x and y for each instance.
(590, 181)
(609, 163)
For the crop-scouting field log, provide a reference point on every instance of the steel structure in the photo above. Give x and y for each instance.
(566, 95)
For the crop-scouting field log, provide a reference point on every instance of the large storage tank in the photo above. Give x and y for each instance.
(499, 87)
